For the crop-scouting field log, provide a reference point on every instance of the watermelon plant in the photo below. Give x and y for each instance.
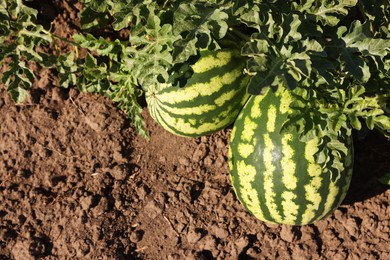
(330, 56)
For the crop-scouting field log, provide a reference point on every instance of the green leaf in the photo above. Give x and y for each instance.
(125, 94)
(29, 52)
(354, 121)
(299, 66)
(67, 70)
(18, 78)
(150, 56)
(358, 43)
(337, 145)
(385, 179)
(122, 19)
(353, 64)
(37, 33)
(99, 6)
(90, 19)
(103, 47)
(196, 20)
(378, 14)
(383, 123)
(16, 8)
(256, 46)
(292, 34)
(17, 93)
(329, 12)
(371, 46)
(361, 38)
(251, 17)
(184, 49)
(4, 21)
(266, 79)
(6, 50)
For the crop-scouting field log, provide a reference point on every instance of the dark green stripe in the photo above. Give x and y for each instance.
(302, 175)
(276, 138)
(258, 157)
(235, 157)
(236, 102)
(208, 117)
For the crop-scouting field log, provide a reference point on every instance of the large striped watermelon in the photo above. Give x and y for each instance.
(275, 175)
(210, 100)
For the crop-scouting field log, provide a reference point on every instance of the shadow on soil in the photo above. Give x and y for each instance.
(372, 160)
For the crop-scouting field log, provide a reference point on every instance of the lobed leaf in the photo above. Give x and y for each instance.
(329, 12)
(199, 26)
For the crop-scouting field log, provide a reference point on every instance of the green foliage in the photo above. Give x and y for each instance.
(197, 23)
(112, 77)
(20, 36)
(334, 54)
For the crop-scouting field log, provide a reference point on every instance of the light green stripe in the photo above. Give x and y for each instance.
(271, 115)
(312, 193)
(199, 90)
(226, 97)
(230, 161)
(210, 62)
(290, 208)
(249, 195)
(288, 165)
(285, 101)
(255, 109)
(249, 130)
(268, 174)
(290, 181)
(245, 150)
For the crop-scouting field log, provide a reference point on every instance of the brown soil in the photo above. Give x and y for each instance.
(77, 182)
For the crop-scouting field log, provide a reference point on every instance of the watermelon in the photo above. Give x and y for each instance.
(275, 175)
(210, 100)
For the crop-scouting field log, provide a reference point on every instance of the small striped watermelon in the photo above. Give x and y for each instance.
(210, 100)
(275, 175)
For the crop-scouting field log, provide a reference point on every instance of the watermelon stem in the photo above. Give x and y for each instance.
(240, 35)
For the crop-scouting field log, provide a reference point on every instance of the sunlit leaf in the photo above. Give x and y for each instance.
(194, 20)
(330, 11)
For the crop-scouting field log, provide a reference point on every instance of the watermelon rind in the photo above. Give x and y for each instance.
(275, 175)
(210, 100)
